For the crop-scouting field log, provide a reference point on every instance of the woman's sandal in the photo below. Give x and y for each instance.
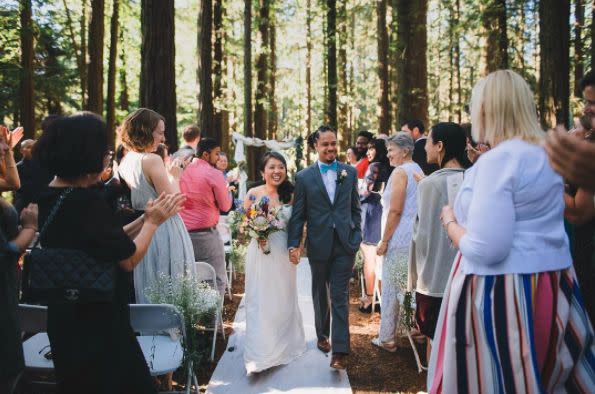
(389, 347)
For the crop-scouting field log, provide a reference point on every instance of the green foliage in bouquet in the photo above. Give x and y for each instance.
(197, 302)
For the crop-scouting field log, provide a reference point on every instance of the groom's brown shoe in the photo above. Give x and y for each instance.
(338, 361)
(324, 345)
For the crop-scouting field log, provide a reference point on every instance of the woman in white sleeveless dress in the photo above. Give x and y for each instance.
(274, 328)
(170, 251)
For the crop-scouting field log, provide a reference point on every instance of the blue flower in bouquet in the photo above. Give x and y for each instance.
(264, 200)
(252, 197)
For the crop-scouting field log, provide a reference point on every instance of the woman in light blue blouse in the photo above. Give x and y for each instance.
(512, 318)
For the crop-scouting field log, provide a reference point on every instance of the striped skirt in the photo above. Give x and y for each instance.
(514, 333)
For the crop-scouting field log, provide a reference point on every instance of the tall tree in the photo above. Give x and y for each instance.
(158, 73)
(95, 70)
(80, 61)
(248, 68)
(343, 102)
(493, 19)
(218, 12)
(27, 103)
(457, 61)
(308, 67)
(383, 76)
(205, 69)
(393, 61)
(331, 50)
(111, 74)
(272, 122)
(593, 36)
(261, 93)
(412, 67)
(84, 70)
(123, 101)
(579, 22)
(554, 42)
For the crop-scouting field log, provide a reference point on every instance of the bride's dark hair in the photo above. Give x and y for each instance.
(285, 189)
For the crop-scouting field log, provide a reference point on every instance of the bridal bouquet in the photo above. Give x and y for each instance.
(260, 221)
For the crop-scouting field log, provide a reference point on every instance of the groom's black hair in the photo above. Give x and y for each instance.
(312, 138)
(285, 189)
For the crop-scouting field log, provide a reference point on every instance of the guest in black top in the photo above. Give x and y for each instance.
(374, 181)
(93, 346)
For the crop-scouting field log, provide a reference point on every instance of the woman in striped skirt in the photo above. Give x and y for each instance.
(512, 319)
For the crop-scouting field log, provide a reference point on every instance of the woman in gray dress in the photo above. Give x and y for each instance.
(147, 177)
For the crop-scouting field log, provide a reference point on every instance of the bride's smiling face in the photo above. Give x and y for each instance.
(274, 172)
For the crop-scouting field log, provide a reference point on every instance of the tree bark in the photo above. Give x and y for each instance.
(27, 103)
(308, 68)
(593, 36)
(84, 70)
(204, 71)
(218, 11)
(393, 61)
(158, 73)
(261, 94)
(124, 103)
(248, 68)
(331, 48)
(272, 123)
(95, 75)
(80, 61)
(493, 19)
(457, 60)
(412, 67)
(554, 42)
(344, 133)
(579, 22)
(383, 99)
(111, 75)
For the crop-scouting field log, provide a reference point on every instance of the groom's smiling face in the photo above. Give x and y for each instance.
(326, 146)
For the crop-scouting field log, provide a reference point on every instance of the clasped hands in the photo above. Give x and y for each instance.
(294, 255)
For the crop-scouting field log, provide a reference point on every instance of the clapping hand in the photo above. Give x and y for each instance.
(15, 136)
(165, 206)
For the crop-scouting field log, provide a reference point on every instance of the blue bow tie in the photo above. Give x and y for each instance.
(324, 168)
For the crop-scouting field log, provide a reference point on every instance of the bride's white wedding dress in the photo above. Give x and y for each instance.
(274, 328)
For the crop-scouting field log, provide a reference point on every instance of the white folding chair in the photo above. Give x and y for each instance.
(203, 272)
(225, 234)
(33, 320)
(163, 353)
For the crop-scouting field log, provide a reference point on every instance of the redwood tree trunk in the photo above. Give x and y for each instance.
(218, 11)
(204, 70)
(84, 70)
(261, 94)
(494, 23)
(383, 99)
(95, 75)
(554, 42)
(158, 73)
(124, 104)
(248, 130)
(111, 74)
(272, 132)
(331, 49)
(412, 67)
(308, 68)
(343, 130)
(27, 102)
(579, 22)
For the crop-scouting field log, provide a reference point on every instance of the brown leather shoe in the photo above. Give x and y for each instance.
(324, 345)
(338, 361)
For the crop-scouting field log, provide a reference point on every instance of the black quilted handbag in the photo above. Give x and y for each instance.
(55, 275)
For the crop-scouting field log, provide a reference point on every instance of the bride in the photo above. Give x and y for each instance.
(274, 329)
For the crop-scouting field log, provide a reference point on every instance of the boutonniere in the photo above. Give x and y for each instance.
(342, 176)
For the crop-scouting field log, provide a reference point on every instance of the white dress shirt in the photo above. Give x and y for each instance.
(330, 182)
(511, 204)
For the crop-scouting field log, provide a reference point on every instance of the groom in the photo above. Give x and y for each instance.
(326, 199)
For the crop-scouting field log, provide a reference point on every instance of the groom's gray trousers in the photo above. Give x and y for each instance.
(330, 282)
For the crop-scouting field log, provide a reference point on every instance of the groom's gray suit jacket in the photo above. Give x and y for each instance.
(324, 217)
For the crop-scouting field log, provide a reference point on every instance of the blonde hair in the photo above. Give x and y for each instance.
(503, 108)
(137, 129)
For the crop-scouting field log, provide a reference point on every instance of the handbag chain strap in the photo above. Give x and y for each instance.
(52, 215)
